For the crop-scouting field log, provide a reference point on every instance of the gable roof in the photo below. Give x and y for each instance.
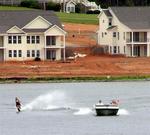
(107, 13)
(72, 1)
(9, 19)
(133, 17)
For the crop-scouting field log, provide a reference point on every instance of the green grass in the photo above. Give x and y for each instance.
(78, 18)
(64, 17)
(13, 8)
(75, 79)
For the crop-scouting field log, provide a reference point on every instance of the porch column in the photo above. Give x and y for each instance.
(64, 46)
(44, 47)
(5, 54)
(148, 51)
(132, 48)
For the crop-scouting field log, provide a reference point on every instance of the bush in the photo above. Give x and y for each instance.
(37, 59)
(30, 4)
(78, 8)
(93, 12)
(53, 6)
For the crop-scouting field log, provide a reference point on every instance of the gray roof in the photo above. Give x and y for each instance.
(107, 13)
(9, 19)
(133, 17)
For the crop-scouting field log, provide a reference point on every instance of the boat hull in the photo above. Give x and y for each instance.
(106, 110)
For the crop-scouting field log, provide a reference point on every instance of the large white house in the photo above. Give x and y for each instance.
(125, 30)
(25, 35)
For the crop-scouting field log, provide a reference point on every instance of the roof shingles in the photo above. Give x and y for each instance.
(9, 19)
(133, 17)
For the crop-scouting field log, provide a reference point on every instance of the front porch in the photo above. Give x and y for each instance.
(1, 48)
(54, 47)
(138, 50)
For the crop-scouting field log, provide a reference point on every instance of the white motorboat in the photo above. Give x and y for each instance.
(106, 109)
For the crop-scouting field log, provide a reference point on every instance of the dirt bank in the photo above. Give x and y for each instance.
(87, 66)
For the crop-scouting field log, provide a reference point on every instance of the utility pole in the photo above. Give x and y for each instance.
(44, 5)
(64, 2)
(117, 2)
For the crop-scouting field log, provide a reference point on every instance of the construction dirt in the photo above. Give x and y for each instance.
(79, 35)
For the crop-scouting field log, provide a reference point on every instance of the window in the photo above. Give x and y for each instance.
(110, 22)
(10, 53)
(69, 9)
(19, 39)
(20, 53)
(103, 21)
(33, 53)
(110, 49)
(38, 53)
(118, 35)
(37, 39)
(124, 35)
(51, 40)
(124, 49)
(28, 53)
(114, 34)
(14, 39)
(72, 9)
(115, 49)
(28, 39)
(33, 39)
(102, 34)
(10, 39)
(15, 53)
(118, 49)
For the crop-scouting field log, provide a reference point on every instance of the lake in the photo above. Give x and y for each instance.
(67, 108)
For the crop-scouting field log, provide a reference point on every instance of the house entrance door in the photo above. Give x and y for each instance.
(137, 51)
(1, 55)
(51, 54)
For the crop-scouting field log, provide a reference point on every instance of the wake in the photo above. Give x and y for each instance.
(50, 101)
(123, 112)
(58, 101)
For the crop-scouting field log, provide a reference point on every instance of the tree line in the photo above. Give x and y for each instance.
(107, 3)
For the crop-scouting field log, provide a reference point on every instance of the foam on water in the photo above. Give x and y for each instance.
(123, 112)
(50, 101)
(83, 111)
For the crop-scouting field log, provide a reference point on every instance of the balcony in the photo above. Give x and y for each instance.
(54, 46)
(137, 37)
(138, 40)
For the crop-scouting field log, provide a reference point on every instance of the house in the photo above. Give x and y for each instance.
(25, 35)
(125, 30)
(70, 6)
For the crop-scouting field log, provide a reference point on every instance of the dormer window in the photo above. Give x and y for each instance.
(109, 22)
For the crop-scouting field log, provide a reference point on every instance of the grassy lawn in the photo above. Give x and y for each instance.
(78, 18)
(13, 8)
(64, 17)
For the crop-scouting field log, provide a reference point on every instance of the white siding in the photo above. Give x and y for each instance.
(38, 23)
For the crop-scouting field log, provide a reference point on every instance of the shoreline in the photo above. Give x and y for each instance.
(74, 79)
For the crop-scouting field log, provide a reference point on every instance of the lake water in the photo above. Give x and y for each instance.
(67, 109)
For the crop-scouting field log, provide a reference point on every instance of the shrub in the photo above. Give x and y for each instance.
(78, 8)
(37, 59)
(93, 12)
(53, 6)
(30, 4)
